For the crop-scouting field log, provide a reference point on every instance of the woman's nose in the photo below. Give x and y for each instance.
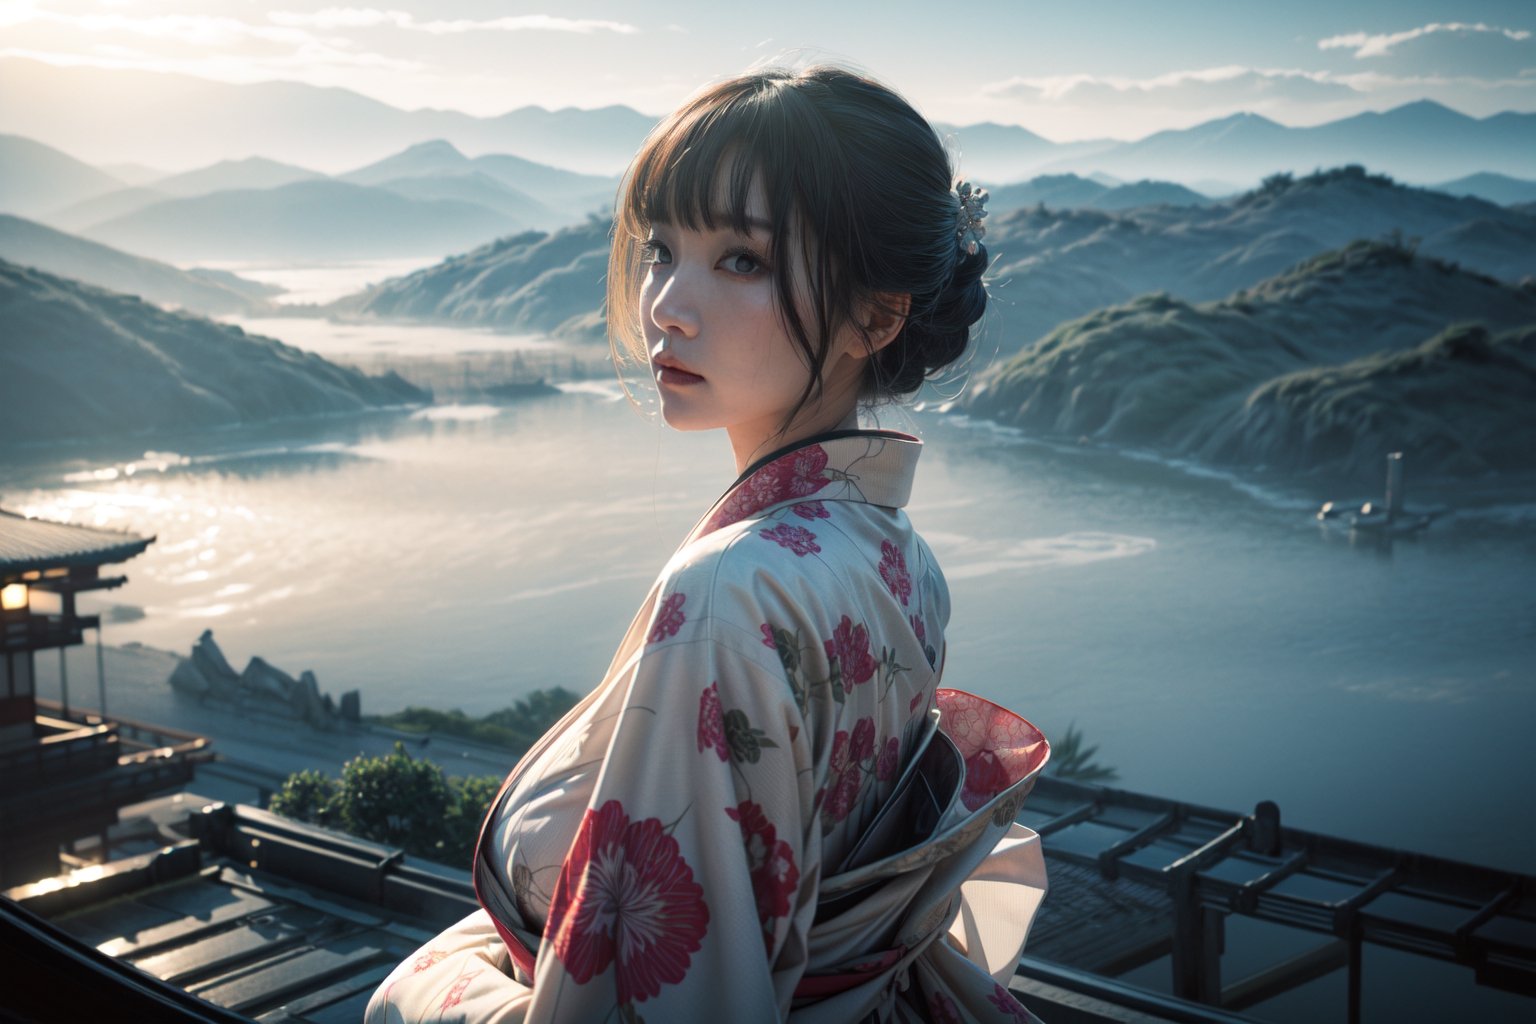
(673, 305)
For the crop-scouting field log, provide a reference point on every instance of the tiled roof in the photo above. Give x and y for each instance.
(27, 544)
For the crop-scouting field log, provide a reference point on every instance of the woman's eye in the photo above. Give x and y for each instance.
(652, 251)
(742, 262)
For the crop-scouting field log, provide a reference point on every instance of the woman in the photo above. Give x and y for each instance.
(767, 808)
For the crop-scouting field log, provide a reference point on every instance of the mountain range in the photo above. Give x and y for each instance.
(427, 200)
(1049, 265)
(1053, 265)
(113, 116)
(1322, 369)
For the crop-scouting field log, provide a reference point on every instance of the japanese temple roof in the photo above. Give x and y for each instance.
(27, 544)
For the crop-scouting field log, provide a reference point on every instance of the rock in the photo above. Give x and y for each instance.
(307, 703)
(186, 678)
(351, 706)
(267, 681)
(214, 668)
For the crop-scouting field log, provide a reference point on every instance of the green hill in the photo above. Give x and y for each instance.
(1053, 265)
(1196, 379)
(215, 292)
(78, 361)
(534, 282)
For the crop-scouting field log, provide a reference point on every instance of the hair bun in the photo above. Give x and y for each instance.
(934, 339)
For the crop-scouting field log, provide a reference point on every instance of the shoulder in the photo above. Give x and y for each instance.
(804, 569)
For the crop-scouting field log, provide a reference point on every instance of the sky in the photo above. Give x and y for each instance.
(1091, 69)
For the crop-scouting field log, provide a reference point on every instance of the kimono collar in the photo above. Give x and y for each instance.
(874, 466)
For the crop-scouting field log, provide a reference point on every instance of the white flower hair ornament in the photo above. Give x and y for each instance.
(973, 209)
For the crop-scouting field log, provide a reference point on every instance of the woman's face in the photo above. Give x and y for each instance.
(720, 350)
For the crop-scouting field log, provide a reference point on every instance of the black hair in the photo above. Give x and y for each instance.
(850, 169)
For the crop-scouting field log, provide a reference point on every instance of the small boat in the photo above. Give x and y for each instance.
(1388, 518)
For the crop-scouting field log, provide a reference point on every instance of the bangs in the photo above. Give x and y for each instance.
(761, 136)
(698, 169)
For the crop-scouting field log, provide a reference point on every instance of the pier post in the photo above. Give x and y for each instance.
(101, 677)
(1394, 495)
(63, 684)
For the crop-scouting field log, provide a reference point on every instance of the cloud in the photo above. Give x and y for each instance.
(1472, 50)
(1382, 44)
(192, 29)
(306, 64)
(370, 17)
(1194, 89)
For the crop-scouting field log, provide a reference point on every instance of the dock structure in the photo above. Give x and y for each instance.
(1135, 878)
(242, 915)
(65, 776)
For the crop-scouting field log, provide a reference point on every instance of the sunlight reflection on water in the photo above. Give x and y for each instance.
(1216, 647)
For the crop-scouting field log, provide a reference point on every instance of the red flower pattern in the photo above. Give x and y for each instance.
(917, 627)
(799, 474)
(811, 510)
(670, 619)
(850, 647)
(942, 1009)
(626, 897)
(842, 781)
(797, 538)
(862, 746)
(712, 722)
(893, 570)
(771, 863)
(455, 992)
(427, 959)
(1005, 1001)
(885, 768)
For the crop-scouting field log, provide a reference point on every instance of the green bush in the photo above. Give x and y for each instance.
(394, 799)
(514, 728)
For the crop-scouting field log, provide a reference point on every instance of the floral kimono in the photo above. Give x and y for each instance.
(768, 809)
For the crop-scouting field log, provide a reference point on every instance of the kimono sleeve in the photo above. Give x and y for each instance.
(690, 886)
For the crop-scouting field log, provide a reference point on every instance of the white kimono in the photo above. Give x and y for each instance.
(767, 810)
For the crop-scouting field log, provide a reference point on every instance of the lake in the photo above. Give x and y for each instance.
(1213, 641)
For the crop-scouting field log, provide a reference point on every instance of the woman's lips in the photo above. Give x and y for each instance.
(673, 375)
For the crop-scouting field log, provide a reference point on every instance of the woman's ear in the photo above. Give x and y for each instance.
(884, 315)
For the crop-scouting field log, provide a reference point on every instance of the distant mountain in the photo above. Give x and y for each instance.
(1055, 265)
(252, 172)
(304, 221)
(549, 283)
(1183, 378)
(119, 202)
(1421, 141)
(180, 120)
(1150, 193)
(482, 190)
(1070, 190)
(1058, 190)
(1006, 153)
(565, 197)
(1496, 188)
(30, 244)
(78, 361)
(134, 174)
(166, 119)
(35, 177)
